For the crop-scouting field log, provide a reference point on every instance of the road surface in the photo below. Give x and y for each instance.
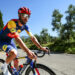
(61, 64)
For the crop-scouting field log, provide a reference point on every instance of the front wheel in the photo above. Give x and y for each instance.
(39, 70)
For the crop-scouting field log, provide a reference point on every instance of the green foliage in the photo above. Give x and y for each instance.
(69, 26)
(44, 36)
(62, 46)
(58, 46)
(70, 50)
(56, 21)
(1, 21)
(33, 47)
(66, 31)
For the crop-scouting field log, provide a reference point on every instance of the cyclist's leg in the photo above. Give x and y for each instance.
(16, 63)
(12, 54)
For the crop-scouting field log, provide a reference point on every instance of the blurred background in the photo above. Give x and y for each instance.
(51, 21)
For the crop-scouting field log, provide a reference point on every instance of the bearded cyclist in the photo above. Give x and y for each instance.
(11, 30)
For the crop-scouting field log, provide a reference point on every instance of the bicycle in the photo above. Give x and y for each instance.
(31, 67)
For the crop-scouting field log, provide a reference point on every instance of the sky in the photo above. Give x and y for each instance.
(41, 13)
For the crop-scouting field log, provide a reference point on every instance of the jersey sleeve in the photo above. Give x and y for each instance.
(28, 31)
(12, 28)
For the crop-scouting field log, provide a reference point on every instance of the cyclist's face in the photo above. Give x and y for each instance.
(24, 18)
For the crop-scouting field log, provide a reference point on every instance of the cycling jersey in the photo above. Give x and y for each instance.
(8, 32)
(11, 30)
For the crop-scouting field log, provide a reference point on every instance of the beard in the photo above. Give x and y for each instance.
(22, 22)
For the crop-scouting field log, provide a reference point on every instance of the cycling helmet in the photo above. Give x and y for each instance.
(24, 10)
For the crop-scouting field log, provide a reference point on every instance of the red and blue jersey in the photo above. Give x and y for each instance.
(12, 30)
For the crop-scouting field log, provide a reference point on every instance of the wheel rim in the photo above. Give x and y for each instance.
(39, 71)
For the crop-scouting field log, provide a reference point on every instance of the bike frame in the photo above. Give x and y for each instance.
(28, 62)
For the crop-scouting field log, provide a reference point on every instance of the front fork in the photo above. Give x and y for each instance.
(34, 68)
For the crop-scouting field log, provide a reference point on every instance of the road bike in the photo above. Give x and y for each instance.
(31, 67)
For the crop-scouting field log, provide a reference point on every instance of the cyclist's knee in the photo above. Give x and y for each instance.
(13, 52)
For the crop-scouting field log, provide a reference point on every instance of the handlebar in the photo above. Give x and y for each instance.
(48, 50)
(42, 53)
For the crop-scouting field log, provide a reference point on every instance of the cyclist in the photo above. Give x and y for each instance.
(11, 30)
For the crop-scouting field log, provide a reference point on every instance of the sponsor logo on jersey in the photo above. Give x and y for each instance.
(4, 47)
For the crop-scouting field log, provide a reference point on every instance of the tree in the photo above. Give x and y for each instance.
(1, 21)
(44, 36)
(68, 28)
(56, 21)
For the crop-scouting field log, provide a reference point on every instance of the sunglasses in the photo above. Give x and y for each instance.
(25, 15)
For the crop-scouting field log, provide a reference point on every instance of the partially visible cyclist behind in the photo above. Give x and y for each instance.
(11, 30)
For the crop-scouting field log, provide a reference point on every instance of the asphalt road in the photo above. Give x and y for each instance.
(61, 64)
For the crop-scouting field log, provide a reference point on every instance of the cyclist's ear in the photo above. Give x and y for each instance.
(18, 15)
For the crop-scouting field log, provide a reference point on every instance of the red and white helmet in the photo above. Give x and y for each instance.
(24, 10)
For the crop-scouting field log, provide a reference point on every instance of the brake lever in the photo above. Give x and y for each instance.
(35, 53)
(48, 50)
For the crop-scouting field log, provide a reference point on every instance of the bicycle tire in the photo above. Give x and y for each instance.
(1, 61)
(40, 66)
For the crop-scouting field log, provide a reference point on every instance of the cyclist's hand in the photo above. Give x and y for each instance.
(45, 49)
(31, 55)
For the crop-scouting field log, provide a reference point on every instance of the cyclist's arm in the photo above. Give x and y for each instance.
(22, 44)
(30, 54)
(13, 34)
(34, 40)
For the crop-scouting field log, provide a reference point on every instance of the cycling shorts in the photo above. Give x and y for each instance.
(6, 46)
